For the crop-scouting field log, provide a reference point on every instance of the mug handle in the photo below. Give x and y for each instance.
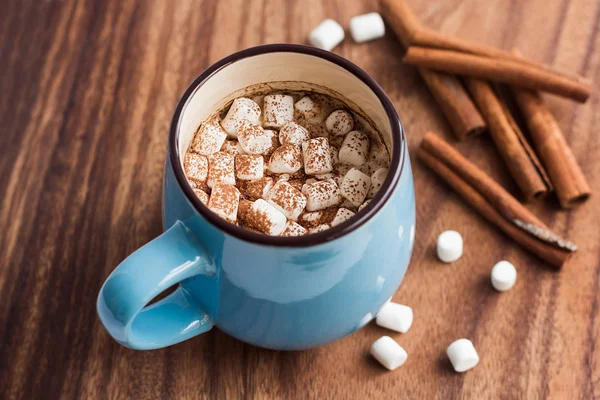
(165, 261)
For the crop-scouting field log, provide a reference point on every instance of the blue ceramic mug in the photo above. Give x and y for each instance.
(274, 292)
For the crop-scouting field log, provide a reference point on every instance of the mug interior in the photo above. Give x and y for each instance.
(297, 68)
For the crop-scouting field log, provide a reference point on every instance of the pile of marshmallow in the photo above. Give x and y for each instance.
(398, 317)
(259, 168)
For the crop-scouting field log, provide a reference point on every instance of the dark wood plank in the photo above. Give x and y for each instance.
(88, 88)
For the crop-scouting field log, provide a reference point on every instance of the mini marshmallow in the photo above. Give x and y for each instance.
(371, 166)
(319, 228)
(363, 205)
(462, 355)
(310, 110)
(221, 169)
(286, 159)
(209, 138)
(321, 195)
(263, 217)
(196, 167)
(449, 246)
(396, 317)
(249, 166)
(256, 189)
(355, 186)
(278, 109)
(342, 215)
(242, 109)
(339, 122)
(367, 27)
(377, 180)
(327, 35)
(326, 176)
(311, 217)
(232, 147)
(354, 149)
(379, 153)
(504, 276)
(293, 229)
(389, 353)
(224, 200)
(317, 131)
(333, 154)
(202, 195)
(274, 137)
(287, 199)
(253, 138)
(316, 156)
(292, 133)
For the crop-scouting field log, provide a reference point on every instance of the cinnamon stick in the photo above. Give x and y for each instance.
(518, 156)
(493, 202)
(496, 69)
(569, 182)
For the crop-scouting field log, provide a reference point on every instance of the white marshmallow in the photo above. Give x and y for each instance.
(316, 156)
(355, 186)
(224, 200)
(327, 35)
(377, 180)
(367, 27)
(287, 199)
(196, 167)
(209, 138)
(371, 166)
(202, 195)
(379, 153)
(256, 189)
(317, 130)
(286, 159)
(325, 176)
(504, 276)
(278, 109)
(347, 204)
(396, 317)
(293, 229)
(231, 147)
(449, 246)
(311, 216)
(249, 166)
(321, 195)
(339, 122)
(263, 217)
(310, 110)
(342, 215)
(319, 228)
(242, 109)
(389, 353)
(354, 149)
(333, 154)
(221, 169)
(462, 355)
(363, 205)
(292, 133)
(253, 138)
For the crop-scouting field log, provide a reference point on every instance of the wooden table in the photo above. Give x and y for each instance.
(87, 92)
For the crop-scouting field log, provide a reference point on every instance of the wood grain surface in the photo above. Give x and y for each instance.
(87, 92)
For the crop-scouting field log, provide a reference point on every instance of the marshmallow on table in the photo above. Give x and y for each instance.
(396, 317)
(209, 138)
(342, 215)
(317, 159)
(310, 110)
(462, 355)
(202, 195)
(367, 27)
(278, 109)
(293, 229)
(249, 166)
(221, 169)
(287, 199)
(327, 35)
(377, 180)
(196, 167)
(262, 216)
(389, 353)
(355, 148)
(242, 109)
(253, 138)
(504, 276)
(449, 246)
(286, 159)
(339, 122)
(355, 186)
(292, 133)
(322, 194)
(257, 188)
(224, 200)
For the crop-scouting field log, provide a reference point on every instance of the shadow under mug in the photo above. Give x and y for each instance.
(273, 292)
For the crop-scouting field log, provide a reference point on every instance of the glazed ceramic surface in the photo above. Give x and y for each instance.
(279, 293)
